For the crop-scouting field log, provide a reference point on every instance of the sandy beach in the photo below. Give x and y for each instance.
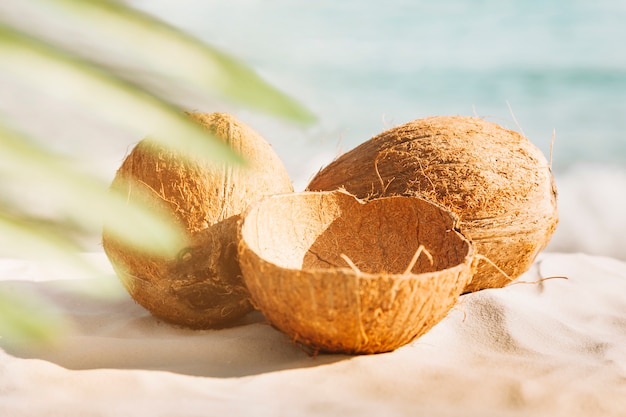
(552, 347)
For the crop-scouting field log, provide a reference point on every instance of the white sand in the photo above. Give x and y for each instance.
(592, 206)
(556, 348)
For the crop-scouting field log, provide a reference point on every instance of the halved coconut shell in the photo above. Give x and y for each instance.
(335, 273)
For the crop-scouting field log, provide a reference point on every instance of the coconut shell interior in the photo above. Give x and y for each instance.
(333, 272)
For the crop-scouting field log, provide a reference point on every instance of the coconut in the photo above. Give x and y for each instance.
(341, 275)
(497, 182)
(200, 286)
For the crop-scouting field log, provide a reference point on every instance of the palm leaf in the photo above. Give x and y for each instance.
(159, 49)
(112, 98)
(25, 320)
(78, 200)
(37, 48)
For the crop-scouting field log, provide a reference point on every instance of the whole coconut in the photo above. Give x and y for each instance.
(497, 182)
(201, 286)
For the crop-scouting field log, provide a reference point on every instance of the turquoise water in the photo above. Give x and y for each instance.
(540, 66)
(537, 66)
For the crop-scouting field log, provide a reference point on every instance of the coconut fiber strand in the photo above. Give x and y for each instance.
(497, 182)
(335, 274)
(201, 286)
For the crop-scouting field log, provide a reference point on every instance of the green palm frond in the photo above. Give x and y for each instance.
(104, 56)
(76, 201)
(157, 45)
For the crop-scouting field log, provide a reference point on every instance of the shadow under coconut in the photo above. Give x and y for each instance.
(109, 330)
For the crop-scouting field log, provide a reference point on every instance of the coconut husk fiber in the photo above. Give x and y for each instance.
(201, 285)
(337, 274)
(497, 182)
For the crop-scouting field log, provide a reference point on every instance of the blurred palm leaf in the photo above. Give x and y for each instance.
(82, 82)
(116, 62)
(157, 45)
(74, 201)
(25, 319)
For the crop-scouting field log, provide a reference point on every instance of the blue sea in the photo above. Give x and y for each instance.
(553, 69)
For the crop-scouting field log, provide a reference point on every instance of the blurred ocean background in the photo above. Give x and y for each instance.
(553, 69)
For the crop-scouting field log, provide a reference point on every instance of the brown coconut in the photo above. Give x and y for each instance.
(201, 286)
(497, 182)
(339, 275)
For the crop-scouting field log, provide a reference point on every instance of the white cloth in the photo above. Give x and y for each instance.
(550, 348)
